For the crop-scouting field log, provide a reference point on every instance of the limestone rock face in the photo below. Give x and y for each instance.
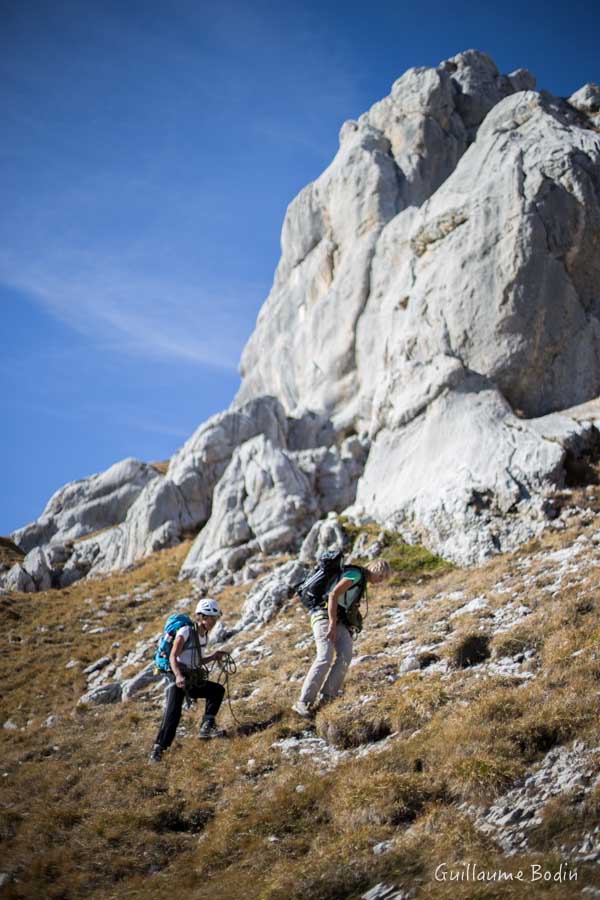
(31, 575)
(182, 499)
(268, 475)
(87, 557)
(392, 159)
(469, 478)
(36, 564)
(82, 507)
(154, 522)
(269, 594)
(267, 499)
(198, 466)
(19, 579)
(263, 503)
(474, 313)
(326, 534)
(489, 263)
(328, 241)
(333, 472)
(494, 274)
(220, 468)
(587, 101)
(456, 474)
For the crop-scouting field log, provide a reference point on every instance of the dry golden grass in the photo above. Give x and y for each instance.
(161, 467)
(84, 815)
(518, 639)
(10, 553)
(468, 647)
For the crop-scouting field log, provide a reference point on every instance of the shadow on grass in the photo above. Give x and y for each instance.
(246, 728)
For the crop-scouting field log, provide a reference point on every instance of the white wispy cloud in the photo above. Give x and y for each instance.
(114, 304)
(111, 243)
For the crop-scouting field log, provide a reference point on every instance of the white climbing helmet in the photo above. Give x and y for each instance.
(208, 607)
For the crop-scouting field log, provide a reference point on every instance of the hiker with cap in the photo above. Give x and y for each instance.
(187, 676)
(332, 625)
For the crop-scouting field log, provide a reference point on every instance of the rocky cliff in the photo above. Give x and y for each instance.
(428, 357)
(438, 289)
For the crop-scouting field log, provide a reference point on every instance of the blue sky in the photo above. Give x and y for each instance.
(149, 152)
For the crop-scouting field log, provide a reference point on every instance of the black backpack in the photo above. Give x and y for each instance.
(318, 582)
(315, 587)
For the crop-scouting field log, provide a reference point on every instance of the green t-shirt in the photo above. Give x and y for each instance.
(354, 575)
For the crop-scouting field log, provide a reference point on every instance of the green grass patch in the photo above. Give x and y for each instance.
(409, 561)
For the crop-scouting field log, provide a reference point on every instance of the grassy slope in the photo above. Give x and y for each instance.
(84, 815)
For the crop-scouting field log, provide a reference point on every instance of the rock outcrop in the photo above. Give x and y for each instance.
(251, 481)
(88, 505)
(266, 502)
(393, 159)
(438, 288)
(261, 505)
(269, 594)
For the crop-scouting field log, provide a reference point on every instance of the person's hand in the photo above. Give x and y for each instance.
(180, 681)
(331, 634)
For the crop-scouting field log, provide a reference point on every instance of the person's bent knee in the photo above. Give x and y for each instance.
(324, 659)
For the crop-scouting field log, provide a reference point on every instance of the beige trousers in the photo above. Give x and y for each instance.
(329, 669)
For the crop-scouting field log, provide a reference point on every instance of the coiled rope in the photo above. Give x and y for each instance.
(227, 667)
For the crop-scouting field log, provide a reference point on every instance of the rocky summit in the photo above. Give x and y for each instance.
(428, 357)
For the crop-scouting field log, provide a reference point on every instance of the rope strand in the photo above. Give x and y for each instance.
(227, 667)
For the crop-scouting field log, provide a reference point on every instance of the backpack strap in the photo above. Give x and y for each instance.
(363, 585)
(196, 647)
(365, 591)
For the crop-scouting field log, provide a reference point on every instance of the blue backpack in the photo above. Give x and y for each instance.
(165, 645)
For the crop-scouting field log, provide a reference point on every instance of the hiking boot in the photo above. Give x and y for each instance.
(209, 729)
(156, 755)
(303, 709)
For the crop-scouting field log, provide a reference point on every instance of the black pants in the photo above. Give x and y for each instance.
(174, 698)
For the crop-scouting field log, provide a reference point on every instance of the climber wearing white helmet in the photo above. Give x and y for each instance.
(188, 676)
